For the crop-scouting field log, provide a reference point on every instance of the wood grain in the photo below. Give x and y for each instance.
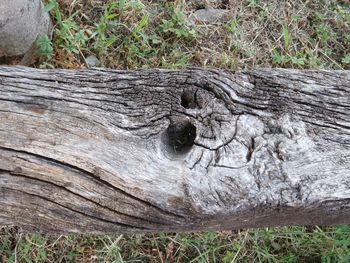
(102, 151)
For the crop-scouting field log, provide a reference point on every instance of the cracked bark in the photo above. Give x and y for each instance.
(102, 151)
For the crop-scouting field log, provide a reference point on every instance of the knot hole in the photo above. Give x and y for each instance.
(189, 99)
(179, 137)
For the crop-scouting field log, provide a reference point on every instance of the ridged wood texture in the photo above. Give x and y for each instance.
(102, 151)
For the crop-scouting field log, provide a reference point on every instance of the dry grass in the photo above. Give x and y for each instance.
(142, 34)
(286, 244)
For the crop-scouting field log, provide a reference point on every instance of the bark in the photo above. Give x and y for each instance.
(102, 151)
(21, 23)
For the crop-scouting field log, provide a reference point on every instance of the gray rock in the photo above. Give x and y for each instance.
(92, 61)
(21, 23)
(209, 16)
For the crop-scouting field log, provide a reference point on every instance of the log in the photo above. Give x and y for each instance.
(103, 151)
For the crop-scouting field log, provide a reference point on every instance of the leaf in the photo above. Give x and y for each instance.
(298, 61)
(45, 46)
(346, 59)
(111, 16)
(143, 23)
(51, 5)
(286, 36)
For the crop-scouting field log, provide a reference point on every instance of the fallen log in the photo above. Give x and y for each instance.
(102, 151)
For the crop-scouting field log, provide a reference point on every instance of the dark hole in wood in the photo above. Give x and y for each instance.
(187, 100)
(180, 136)
(184, 101)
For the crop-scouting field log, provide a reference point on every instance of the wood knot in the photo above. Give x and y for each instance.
(189, 99)
(179, 136)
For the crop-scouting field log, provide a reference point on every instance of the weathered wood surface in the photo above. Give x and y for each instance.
(101, 151)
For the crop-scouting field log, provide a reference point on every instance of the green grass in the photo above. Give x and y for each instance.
(146, 34)
(285, 244)
(142, 34)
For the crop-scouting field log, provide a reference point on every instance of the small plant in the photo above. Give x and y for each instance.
(232, 27)
(176, 25)
(71, 37)
(278, 58)
(123, 5)
(286, 37)
(53, 5)
(68, 35)
(346, 59)
(33, 249)
(45, 46)
(103, 34)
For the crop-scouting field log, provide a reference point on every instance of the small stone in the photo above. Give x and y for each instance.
(209, 16)
(92, 61)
